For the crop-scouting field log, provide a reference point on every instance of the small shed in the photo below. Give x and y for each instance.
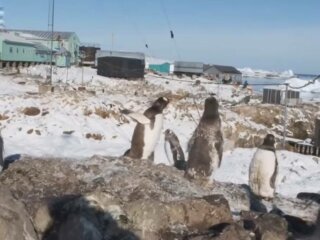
(63, 58)
(89, 52)
(224, 74)
(128, 65)
(277, 96)
(317, 132)
(188, 68)
(162, 68)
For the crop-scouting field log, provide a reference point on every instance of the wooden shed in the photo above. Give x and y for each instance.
(89, 52)
(224, 74)
(127, 65)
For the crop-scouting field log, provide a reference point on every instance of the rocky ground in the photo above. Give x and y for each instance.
(120, 198)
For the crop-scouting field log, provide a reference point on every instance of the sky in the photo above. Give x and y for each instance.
(273, 35)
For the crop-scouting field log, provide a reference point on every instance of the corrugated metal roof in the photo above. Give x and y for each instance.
(134, 55)
(188, 67)
(12, 37)
(44, 34)
(227, 69)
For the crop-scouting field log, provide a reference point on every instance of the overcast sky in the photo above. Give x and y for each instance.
(267, 34)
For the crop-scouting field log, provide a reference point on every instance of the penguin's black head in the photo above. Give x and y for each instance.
(211, 107)
(160, 103)
(269, 140)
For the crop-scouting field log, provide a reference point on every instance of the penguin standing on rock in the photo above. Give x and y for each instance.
(206, 144)
(1, 153)
(263, 169)
(173, 150)
(147, 132)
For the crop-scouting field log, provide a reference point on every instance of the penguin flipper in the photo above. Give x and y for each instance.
(140, 118)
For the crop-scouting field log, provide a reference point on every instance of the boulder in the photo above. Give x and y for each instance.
(265, 226)
(151, 218)
(15, 223)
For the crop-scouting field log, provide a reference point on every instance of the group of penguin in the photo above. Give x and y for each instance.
(205, 148)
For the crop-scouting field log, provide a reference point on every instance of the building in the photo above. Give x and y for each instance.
(188, 68)
(127, 65)
(224, 74)
(62, 58)
(68, 40)
(161, 68)
(88, 54)
(16, 50)
(277, 96)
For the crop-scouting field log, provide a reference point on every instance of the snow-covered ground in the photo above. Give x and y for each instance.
(68, 117)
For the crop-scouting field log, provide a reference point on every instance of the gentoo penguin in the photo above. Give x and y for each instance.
(1, 153)
(206, 144)
(263, 169)
(173, 150)
(147, 131)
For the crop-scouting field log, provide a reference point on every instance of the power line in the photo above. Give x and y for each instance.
(134, 23)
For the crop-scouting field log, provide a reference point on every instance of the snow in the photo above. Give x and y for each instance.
(297, 82)
(67, 116)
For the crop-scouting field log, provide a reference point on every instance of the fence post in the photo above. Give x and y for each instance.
(285, 116)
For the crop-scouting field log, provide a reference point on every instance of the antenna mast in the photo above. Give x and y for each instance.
(51, 57)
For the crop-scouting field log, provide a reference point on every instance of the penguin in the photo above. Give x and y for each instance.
(147, 131)
(1, 153)
(263, 169)
(206, 144)
(173, 150)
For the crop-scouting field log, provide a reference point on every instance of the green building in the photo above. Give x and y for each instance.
(28, 47)
(162, 68)
(67, 40)
(15, 49)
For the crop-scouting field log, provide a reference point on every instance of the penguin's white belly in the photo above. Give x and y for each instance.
(262, 168)
(151, 136)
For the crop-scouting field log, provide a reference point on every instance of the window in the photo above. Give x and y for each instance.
(17, 50)
(23, 50)
(10, 50)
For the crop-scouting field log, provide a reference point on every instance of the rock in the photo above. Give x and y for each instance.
(153, 201)
(237, 195)
(15, 223)
(309, 196)
(221, 232)
(152, 217)
(31, 111)
(265, 226)
(303, 209)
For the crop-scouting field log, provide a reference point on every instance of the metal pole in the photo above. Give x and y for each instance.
(112, 41)
(82, 73)
(285, 116)
(51, 57)
(67, 75)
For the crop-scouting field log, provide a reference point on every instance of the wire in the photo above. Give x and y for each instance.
(136, 28)
(165, 13)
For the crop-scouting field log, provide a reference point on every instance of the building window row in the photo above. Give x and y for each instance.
(17, 50)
